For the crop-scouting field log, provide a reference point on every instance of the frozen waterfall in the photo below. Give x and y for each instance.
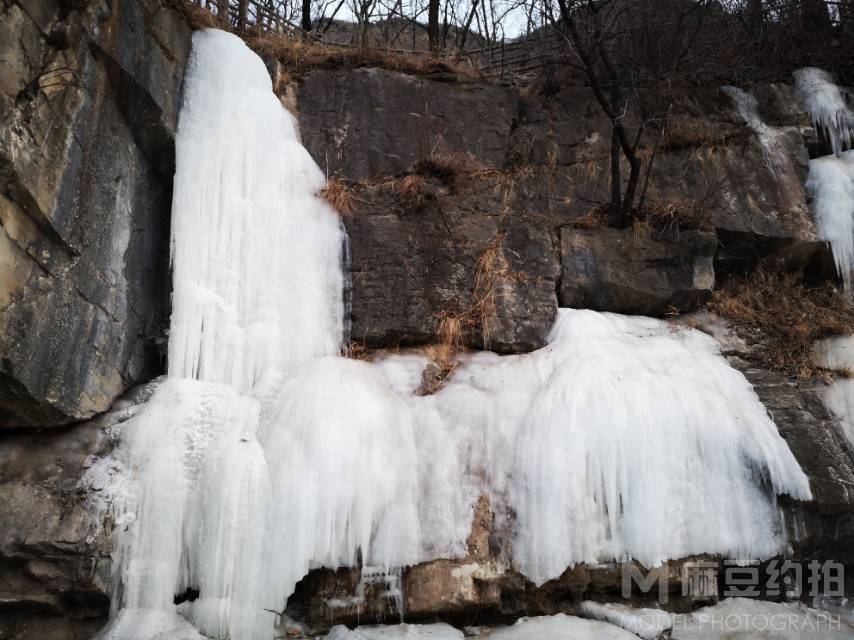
(831, 183)
(831, 177)
(829, 106)
(265, 454)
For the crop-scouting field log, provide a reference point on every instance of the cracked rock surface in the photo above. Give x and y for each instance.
(89, 98)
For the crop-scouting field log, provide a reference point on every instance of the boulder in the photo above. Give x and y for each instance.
(89, 105)
(616, 270)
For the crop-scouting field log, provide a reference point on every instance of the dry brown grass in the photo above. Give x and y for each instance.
(340, 195)
(786, 317)
(670, 216)
(358, 351)
(641, 229)
(684, 131)
(586, 172)
(409, 186)
(490, 266)
(454, 329)
(196, 16)
(593, 219)
(299, 55)
(450, 338)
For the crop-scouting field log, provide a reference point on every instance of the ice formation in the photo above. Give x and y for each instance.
(837, 353)
(748, 619)
(264, 454)
(831, 178)
(748, 108)
(257, 297)
(579, 440)
(829, 106)
(648, 624)
(831, 184)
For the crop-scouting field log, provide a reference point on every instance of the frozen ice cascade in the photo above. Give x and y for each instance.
(264, 454)
(829, 106)
(831, 177)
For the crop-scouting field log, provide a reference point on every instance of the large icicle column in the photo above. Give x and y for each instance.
(831, 177)
(257, 292)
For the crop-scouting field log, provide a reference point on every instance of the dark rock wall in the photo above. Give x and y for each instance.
(89, 100)
(527, 174)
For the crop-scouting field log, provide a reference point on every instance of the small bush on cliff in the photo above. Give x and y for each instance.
(786, 316)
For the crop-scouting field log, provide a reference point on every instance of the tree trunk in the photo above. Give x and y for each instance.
(461, 45)
(815, 18)
(222, 12)
(242, 7)
(433, 25)
(616, 213)
(305, 23)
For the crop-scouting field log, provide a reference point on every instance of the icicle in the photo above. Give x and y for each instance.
(837, 353)
(831, 184)
(747, 107)
(625, 434)
(826, 103)
(244, 303)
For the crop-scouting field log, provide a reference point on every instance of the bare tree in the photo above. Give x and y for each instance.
(305, 20)
(433, 25)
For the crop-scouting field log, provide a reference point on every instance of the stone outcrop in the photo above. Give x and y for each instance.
(616, 270)
(89, 97)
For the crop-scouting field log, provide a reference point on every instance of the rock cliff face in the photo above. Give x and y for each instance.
(447, 175)
(89, 97)
(470, 202)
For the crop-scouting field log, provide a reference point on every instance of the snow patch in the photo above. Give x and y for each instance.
(748, 619)
(648, 624)
(560, 627)
(439, 631)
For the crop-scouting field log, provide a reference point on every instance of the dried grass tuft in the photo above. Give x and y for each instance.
(668, 217)
(339, 194)
(358, 351)
(786, 317)
(410, 185)
(685, 131)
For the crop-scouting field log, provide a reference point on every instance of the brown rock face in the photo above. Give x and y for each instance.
(88, 106)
